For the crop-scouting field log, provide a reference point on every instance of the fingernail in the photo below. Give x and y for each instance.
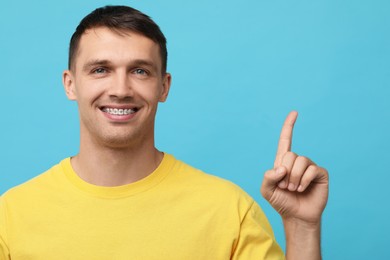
(279, 170)
(300, 188)
(282, 184)
(291, 187)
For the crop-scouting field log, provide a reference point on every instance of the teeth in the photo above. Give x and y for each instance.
(118, 111)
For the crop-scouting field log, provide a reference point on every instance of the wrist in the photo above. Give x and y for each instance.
(302, 225)
(302, 239)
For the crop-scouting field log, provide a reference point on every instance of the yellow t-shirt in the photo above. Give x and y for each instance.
(177, 212)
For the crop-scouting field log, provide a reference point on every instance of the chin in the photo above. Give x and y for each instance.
(121, 141)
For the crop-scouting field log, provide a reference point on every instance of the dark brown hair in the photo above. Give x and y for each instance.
(119, 19)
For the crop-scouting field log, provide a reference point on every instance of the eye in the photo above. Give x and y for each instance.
(99, 71)
(141, 72)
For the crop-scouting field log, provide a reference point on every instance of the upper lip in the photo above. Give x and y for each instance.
(128, 106)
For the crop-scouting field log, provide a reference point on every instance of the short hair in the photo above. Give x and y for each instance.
(119, 19)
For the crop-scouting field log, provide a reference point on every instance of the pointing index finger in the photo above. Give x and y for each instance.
(285, 139)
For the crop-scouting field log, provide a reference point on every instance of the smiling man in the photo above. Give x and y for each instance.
(117, 79)
(121, 198)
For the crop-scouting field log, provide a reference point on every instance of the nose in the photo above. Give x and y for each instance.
(121, 86)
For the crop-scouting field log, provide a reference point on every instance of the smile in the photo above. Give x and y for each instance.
(118, 111)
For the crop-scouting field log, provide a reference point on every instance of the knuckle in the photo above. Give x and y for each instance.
(304, 159)
(313, 168)
(324, 172)
(292, 154)
(268, 173)
(289, 156)
(268, 176)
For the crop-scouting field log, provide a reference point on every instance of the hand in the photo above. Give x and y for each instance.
(297, 188)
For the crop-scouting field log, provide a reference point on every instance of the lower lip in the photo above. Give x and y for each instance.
(119, 118)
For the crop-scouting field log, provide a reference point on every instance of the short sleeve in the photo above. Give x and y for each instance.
(4, 251)
(256, 239)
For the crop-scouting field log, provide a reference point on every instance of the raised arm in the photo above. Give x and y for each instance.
(298, 189)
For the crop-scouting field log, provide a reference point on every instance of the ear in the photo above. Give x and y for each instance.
(69, 84)
(166, 86)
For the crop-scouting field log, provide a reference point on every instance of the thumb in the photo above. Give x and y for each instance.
(271, 180)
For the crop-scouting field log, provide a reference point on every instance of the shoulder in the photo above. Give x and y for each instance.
(37, 185)
(220, 197)
(208, 185)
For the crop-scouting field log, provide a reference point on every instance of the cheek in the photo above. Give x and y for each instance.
(88, 91)
(149, 93)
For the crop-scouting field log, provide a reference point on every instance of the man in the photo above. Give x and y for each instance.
(121, 198)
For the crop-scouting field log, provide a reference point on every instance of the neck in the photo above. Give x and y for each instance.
(106, 166)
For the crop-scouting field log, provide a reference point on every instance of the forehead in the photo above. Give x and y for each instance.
(117, 46)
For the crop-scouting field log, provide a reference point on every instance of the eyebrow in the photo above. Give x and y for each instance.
(134, 63)
(147, 63)
(93, 63)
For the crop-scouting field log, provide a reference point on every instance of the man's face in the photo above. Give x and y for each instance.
(117, 82)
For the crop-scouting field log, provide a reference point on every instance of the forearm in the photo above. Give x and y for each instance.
(302, 240)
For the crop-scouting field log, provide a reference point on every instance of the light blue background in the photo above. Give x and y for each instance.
(238, 68)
